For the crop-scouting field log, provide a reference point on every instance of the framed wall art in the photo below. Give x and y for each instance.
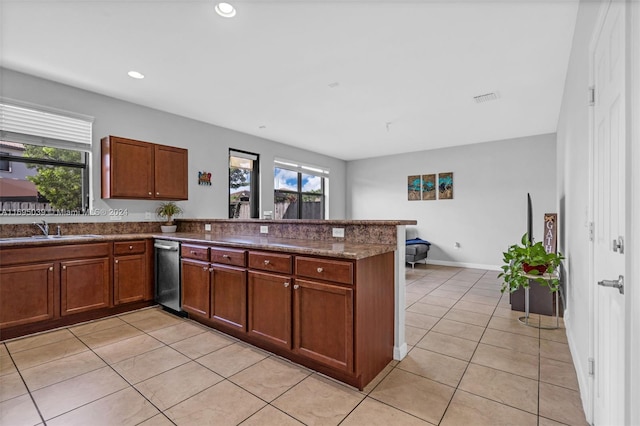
(413, 187)
(445, 186)
(429, 187)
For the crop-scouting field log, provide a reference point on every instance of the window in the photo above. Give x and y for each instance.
(243, 185)
(299, 191)
(49, 157)
(5, 165)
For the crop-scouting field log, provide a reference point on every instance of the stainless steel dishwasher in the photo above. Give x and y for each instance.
(167, 274)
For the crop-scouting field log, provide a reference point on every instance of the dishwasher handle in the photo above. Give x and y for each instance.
(163, 247)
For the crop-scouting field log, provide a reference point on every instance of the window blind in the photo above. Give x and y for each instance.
(23, 124)
(302, 168)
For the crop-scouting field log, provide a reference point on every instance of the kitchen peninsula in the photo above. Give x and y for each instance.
(334, 304)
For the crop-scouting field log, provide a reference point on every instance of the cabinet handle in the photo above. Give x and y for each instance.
(204, 268)
(266, 262)
(286, 284)
(64, 267)
(225, 256)
(210, 269)
(192, 251)
(296, 286)
(117, 261)
(51, 268)
(157, 193)
(150, 193)
(319, 270)
(130, 247)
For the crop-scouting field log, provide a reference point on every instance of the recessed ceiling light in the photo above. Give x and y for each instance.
(135, 74)
(225, 10)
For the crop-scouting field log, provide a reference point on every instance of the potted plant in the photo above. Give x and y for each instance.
(168, 210)
(526, 261)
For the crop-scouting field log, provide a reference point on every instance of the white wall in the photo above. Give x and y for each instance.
(208, 148)
(488, 212)
(573, 192)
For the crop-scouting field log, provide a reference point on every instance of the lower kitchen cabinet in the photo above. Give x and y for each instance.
(196, 287)
(229, 296)
(130, 282)
(49, 286)
(131, 272)
(26, 294)
(323, 323)
(84, 285)
(270, 308)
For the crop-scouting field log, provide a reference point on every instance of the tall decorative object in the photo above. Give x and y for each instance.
(550, 232)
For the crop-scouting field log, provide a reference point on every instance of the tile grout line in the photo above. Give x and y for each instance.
(25, 386)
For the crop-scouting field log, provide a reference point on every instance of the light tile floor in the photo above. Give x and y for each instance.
(470, 363)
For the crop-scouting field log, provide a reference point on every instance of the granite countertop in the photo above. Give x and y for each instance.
(299, 246)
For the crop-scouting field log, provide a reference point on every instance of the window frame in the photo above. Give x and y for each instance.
(300, 170)
(84, 167)
(254, 181)
(30, 124)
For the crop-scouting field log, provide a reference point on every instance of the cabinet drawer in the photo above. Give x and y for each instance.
(129, 247)
(228, 256)
(195, 252)
(324, 269)
(270, 262)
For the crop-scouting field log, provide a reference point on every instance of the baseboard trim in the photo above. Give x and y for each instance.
(400, 352)
(584, 378)
(463, 265)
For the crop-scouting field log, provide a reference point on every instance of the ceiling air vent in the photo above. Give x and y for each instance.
(485, 98)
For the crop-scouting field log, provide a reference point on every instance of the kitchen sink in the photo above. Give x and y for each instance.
(49, 237)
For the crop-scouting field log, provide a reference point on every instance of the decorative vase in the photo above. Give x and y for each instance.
(168, 228)
(528, 268)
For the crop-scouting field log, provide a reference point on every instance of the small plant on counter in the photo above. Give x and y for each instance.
(526, 261)
(168, 210)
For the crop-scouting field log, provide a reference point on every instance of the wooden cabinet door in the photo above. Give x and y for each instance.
(229, 297)
(26, 294)
(269, 316)
(132, 171)
(130, 281)
(84, 285)
(196, 287)
(171, 171)
(323, 323)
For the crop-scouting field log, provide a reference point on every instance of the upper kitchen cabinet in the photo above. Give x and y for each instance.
(141, 170)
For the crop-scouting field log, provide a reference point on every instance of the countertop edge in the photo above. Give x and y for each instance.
(297, 246)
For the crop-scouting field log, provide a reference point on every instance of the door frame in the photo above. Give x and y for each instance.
(632, 212)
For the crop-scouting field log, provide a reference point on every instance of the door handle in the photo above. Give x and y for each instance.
(619, 283)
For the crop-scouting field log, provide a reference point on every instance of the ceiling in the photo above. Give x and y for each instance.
(350, 78)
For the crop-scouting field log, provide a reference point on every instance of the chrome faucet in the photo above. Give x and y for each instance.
(44, 227)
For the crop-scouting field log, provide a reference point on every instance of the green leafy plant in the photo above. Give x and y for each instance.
(168, 210)
(60, 185)
(524, 255)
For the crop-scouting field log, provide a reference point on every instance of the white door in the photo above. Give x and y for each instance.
(609, 215)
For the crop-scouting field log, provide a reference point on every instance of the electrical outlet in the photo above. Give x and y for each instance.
(264, 229)
(338, 232)
(207, 227)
